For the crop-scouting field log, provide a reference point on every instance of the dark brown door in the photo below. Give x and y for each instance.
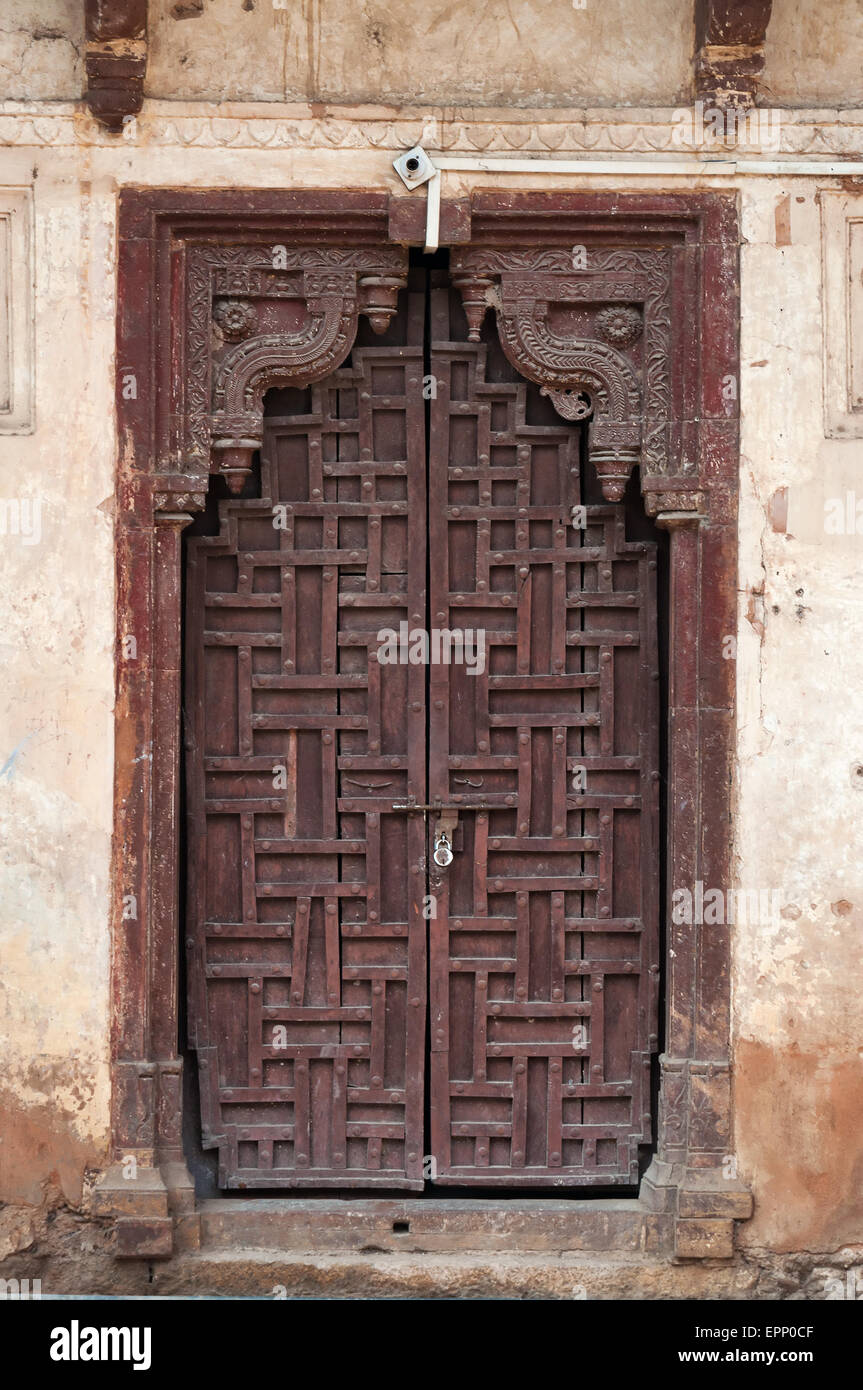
(318, 920)
(542, 1000)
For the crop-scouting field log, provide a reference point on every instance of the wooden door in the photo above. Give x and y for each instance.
(318, 774)
(308, 954)
(543, 982)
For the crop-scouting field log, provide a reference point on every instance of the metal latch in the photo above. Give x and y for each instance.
(445, 825)
(444, 832)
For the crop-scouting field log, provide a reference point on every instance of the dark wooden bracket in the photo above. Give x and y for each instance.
(597, 325)
(729, 50)
(115, 59)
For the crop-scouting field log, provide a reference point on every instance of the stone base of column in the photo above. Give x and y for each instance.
(705, 1205)
(153, 1209)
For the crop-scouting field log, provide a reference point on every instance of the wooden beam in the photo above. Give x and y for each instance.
(116, 59)
(729, 49)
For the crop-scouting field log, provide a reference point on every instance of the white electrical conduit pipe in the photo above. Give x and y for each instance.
(662, 168)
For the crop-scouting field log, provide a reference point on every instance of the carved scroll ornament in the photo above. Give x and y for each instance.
(260, 317)
(596, 341)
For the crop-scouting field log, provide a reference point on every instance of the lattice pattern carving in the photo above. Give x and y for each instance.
(308, 953)
(544, 954)
(308, 949)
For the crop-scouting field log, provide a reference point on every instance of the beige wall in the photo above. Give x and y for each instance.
(528, 52)
(40, 49)
(814, 54)
(525, 53)
(56, 696)
(799, 1016)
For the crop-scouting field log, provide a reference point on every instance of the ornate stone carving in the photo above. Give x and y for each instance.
(378, 297)
(175, 495)
(684, 504)
(476, 296)
(695, 1111)
(172, 499)
(620, 326)
(134, 1099)
(192, 125)
(571, 403)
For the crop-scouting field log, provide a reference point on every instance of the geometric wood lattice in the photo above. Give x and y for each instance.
(544, 974)
(309, 954)
(308, 972)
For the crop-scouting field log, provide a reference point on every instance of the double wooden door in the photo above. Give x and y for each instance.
(363, 1017)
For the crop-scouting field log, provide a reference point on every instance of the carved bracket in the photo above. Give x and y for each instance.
(729, 42)
(115, 59)
(597, 340)
(267, 316)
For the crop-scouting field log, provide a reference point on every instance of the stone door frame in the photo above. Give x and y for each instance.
(174, 431)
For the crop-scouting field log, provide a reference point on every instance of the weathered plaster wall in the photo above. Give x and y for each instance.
(797, 1015)
(799, 1012)
(40, 49)
(56, 696)
(813, 55)
(526, 53)
(529, 52)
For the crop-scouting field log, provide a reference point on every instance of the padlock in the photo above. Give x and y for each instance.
(442, 850)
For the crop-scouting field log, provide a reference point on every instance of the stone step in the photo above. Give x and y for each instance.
(571, 1276)
(411, 1225)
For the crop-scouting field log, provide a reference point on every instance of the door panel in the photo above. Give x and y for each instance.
(543, 950)
(309, 954)
(307, 963)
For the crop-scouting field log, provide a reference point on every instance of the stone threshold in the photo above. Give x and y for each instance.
(400, 1225)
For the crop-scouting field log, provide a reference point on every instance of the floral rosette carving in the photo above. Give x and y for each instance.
(619, 324)
(236, 318)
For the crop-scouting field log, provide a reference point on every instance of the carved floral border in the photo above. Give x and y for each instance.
(476, 131)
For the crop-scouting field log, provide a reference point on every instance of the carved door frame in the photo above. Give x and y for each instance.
(190, 403)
